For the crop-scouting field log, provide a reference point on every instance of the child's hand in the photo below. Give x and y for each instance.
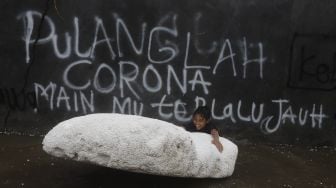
(214, 133)
(216, 141)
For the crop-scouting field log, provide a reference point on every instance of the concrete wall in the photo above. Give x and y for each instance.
(266, 68)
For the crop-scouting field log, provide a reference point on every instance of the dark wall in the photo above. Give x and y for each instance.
(266, 68)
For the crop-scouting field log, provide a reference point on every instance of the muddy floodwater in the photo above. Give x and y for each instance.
(23, 163)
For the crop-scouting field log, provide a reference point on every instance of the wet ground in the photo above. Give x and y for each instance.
(24, 164)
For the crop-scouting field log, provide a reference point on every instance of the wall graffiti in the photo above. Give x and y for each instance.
(17, 100)
(313, 62)
(167, 70)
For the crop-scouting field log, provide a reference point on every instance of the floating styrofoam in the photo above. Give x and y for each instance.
(140, 144)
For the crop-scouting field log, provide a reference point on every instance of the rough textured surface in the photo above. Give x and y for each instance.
(140, 144)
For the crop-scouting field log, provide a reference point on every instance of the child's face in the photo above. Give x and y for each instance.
(199, 121)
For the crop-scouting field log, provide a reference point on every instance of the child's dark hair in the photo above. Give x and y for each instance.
(204, 111)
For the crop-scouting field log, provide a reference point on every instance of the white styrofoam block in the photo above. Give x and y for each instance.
(140, 144)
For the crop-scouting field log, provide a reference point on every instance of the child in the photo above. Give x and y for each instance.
(201, 123)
